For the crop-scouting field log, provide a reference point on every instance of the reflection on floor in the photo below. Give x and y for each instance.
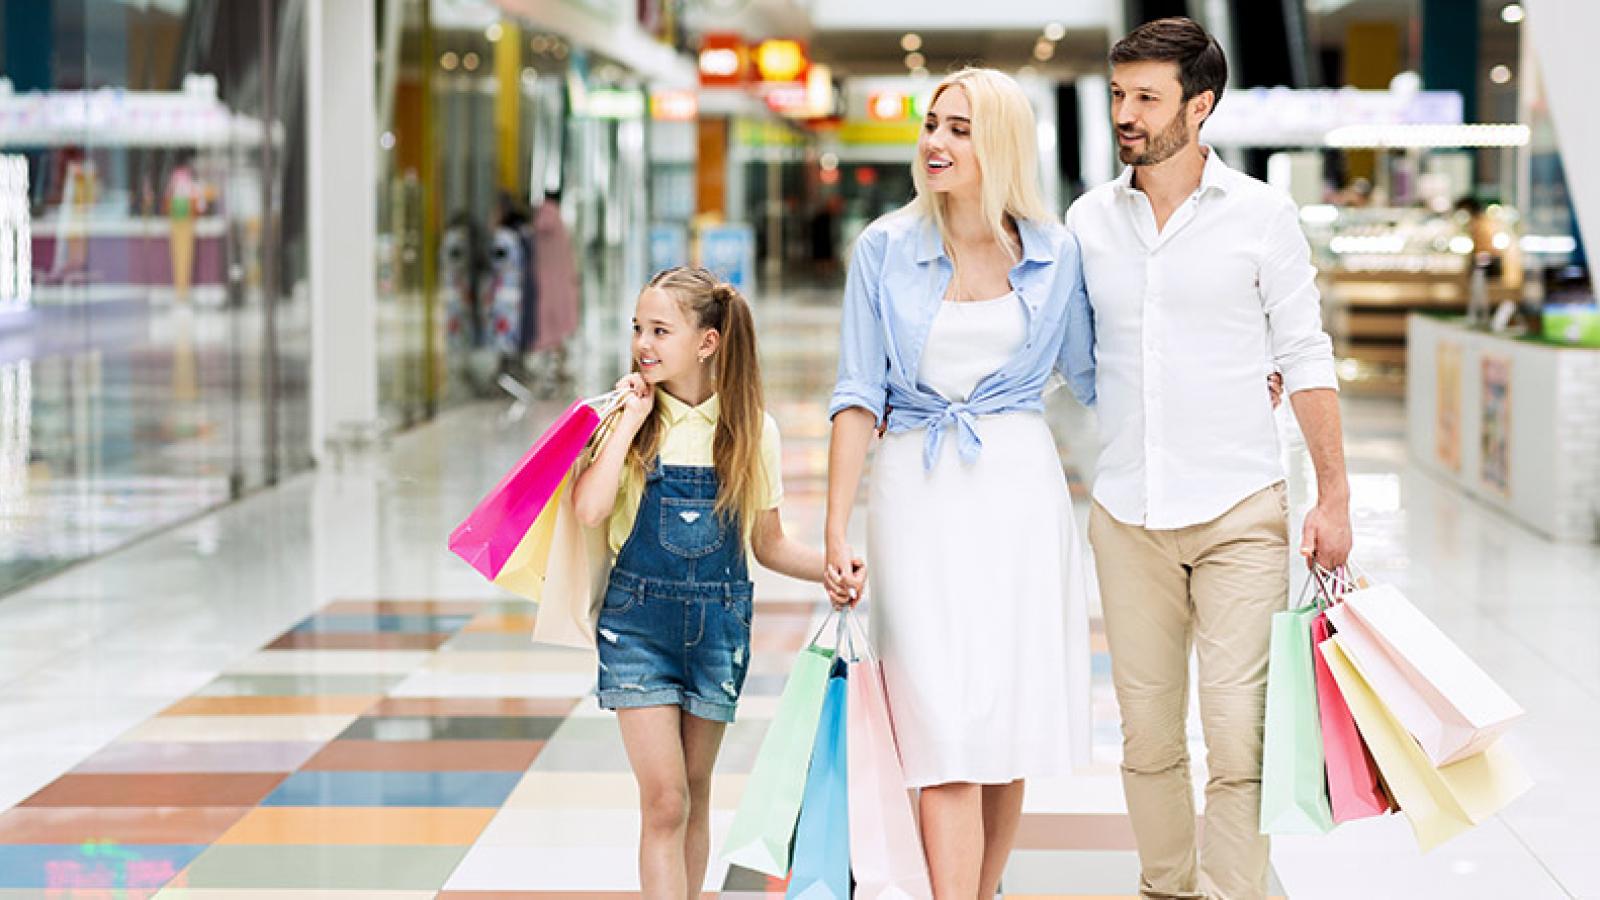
(305, 696)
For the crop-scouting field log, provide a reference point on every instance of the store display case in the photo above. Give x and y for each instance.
(1377, 265)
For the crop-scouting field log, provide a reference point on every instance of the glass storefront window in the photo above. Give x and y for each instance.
(158, 367)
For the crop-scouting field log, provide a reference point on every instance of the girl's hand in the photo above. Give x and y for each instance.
(640, 399)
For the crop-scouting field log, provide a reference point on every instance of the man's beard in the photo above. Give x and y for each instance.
(1159, 148)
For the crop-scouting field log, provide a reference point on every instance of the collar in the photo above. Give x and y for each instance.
(675, 410)
(1035, 243)
(1213, 177)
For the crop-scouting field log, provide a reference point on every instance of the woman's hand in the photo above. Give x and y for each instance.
(845, 576)
(1275, 388)
(639, 402)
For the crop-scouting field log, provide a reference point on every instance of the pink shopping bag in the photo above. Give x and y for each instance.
(1353, 786)
(885, 850)
(488, 537)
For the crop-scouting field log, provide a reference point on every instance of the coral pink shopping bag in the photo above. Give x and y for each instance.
(1353, 787)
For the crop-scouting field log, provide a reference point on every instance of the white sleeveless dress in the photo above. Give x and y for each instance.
(979, 583)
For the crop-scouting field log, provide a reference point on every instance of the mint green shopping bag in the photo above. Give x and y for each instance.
(1294, 780)
(763, 828)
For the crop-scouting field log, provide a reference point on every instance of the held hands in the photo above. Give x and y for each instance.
(1275, 388)
(640, 400)
(1325, 536)
(844, 576)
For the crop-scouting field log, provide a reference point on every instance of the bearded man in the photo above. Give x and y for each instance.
(1201, 282)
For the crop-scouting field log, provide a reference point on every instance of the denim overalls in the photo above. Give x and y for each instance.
(675, 626)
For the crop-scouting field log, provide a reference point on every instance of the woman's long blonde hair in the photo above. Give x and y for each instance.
(1003, 140)
(710, 302)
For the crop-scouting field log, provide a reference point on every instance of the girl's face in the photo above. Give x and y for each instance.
(944, 150)
(666, 346)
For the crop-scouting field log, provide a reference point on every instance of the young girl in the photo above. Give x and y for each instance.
(688, 480)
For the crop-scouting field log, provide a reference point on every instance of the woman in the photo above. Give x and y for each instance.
(958, 310)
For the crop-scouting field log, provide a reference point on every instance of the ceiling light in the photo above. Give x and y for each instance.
(493, 32)
(1043, 50)
(1512, 13)
(915, 60)
(1055, 31)
(911, 43)
(1500, 74)
(449, 61)
(470, 62)
(1406, 136)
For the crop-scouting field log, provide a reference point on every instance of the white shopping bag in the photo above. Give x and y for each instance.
(1445, 700)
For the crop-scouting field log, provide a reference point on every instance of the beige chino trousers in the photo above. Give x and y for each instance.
(1214, 586)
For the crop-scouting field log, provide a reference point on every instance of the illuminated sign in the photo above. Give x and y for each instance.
(610, 103)
(16, 233)
(789, 100)
(781, 61)
(723, 59)
(674, 106)
(888, 106)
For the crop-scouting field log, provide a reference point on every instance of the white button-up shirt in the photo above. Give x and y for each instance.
(1188, 321)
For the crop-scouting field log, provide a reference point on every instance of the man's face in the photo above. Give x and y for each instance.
(1148, 111)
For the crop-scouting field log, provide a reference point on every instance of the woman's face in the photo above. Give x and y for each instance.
(944, 151)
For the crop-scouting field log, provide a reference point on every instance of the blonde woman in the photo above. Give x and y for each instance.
(958, 311)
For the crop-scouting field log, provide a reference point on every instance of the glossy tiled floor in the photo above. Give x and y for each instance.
(306, 696)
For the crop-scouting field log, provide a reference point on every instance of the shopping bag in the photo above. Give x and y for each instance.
(1445, 700)
(1353, 788)
(1440, 803)
(1294, 794)
(573, 585)
(489, 535)
(885, 850)
(570, 584)
(822, 836)
(523, 573)
(763, 827)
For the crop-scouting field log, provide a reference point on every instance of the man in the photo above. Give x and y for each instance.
(1200, 280)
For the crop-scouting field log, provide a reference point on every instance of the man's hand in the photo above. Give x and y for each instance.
(1325, 537)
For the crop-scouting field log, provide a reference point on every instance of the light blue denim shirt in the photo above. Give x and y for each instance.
(898, 276)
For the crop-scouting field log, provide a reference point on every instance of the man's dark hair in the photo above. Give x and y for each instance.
(1201, 65)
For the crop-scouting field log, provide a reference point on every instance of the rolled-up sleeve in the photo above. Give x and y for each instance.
(863, 359)
(1076, 362)
(1302, 351)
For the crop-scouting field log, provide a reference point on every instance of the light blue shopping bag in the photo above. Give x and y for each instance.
(822, 839)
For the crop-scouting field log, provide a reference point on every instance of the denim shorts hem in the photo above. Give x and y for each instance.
(708, 709)
(621, 699)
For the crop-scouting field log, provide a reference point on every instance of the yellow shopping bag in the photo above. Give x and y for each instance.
(1440, 803)
(523, 574)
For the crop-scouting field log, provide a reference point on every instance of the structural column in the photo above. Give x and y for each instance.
(342, 220)
(1563, 32)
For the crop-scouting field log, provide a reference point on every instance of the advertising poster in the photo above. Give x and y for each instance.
(1497, 423)
(730, 251)
(1447, 406)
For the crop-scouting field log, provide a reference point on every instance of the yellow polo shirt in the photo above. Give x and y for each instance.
(687, 441)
